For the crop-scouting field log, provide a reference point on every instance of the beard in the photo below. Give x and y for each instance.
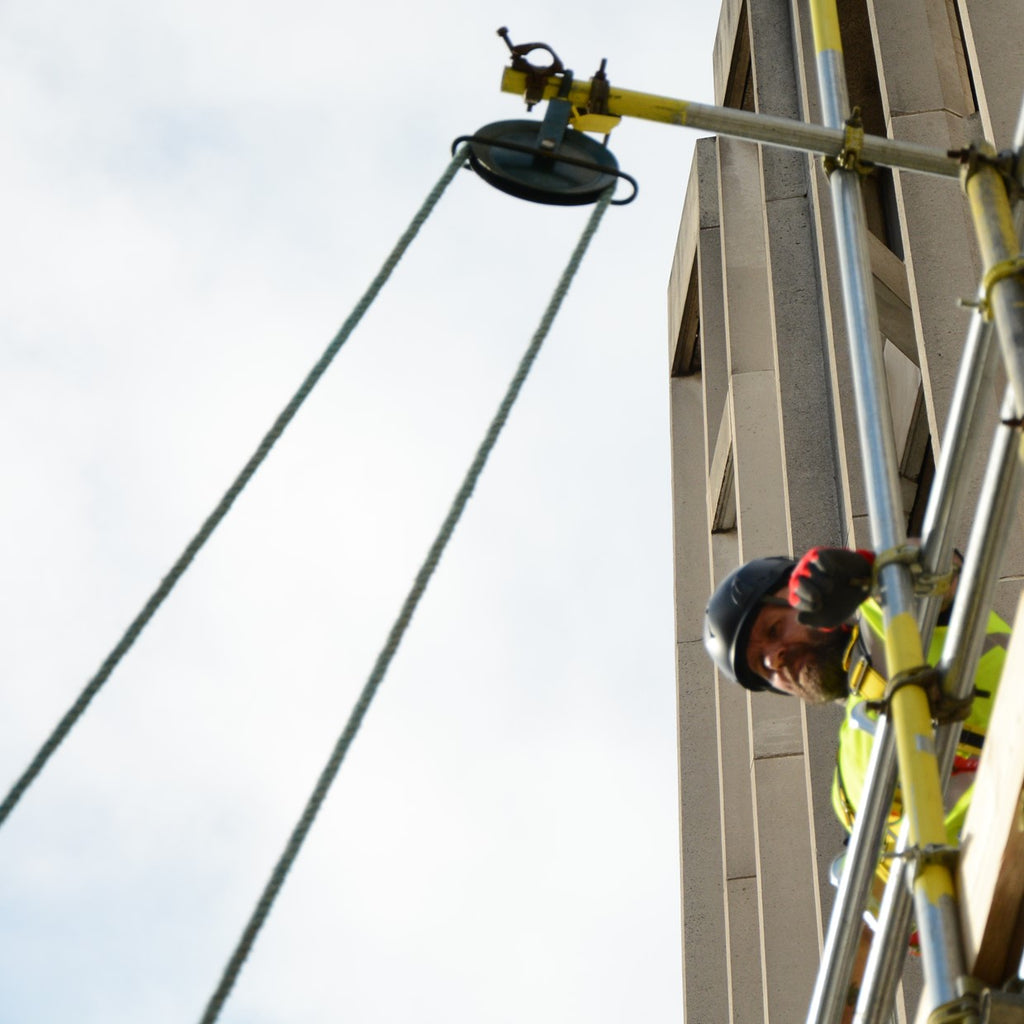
(816, 670)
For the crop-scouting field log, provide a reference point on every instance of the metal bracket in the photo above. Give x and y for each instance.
(944, 707)
(594, 116)
(1002, 1007)
(536, 74)
(1013, 267)
(925, 584)
(849, 157)
(979, 1004)
(921, 857)
(975, 157)
(556, 118)
(963, 1010)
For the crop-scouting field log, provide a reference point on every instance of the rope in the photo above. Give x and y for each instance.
(213, 520)
(330, 770)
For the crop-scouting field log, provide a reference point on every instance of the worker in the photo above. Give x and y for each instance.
(810, 628)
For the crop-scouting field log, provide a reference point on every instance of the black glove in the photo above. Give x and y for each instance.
(829, 584)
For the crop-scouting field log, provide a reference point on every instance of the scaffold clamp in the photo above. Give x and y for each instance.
(962, 1010)
(926, 584)
(849, 157)
(1001, 1006)
(944, 707)
(1013, 267)
(982, 155)
(921, 857)
(536, 74)
(967, 1008)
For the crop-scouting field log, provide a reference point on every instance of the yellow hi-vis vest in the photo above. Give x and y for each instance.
(856, 734)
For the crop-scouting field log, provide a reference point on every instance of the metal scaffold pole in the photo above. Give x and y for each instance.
(961, 651)
(741, 124)
(888, 946)
(909, 720)
(1002, 293)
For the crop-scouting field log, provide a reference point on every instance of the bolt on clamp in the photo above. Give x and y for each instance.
(849, 157)
(925, 584)
(944, 707)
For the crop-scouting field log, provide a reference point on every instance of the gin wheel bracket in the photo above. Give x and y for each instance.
(549, 161)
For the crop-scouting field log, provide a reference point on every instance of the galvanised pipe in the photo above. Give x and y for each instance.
(964, 639)
(997, 239)
(741, 124)
(945, 505)
(910, 713)
(961, 652)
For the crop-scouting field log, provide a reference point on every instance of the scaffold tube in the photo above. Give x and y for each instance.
(742, 124)
(945, 506)
(964, 639)
(997, 502)
(1003, 292)
(910, 712)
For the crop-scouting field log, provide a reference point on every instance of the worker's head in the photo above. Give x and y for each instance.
(755, 638)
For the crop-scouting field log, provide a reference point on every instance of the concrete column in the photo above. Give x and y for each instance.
(746, 968)
(797, 319)
(714, 368)
(785, 869)
(809, 444)
(705, 948)
(994, 37)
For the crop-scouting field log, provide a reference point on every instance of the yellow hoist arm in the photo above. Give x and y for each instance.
(620, 102)
(600, 109)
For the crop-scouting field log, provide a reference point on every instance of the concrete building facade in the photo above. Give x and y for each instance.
(765, 457)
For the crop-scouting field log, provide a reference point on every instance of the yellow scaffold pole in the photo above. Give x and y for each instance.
(909, 711)
(986, 177)
(741, 124)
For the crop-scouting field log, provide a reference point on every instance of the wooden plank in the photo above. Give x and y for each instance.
(991, 873)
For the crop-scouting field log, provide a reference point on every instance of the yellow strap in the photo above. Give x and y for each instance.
(862, 679)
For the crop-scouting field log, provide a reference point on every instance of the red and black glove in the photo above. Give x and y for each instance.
(829, 584)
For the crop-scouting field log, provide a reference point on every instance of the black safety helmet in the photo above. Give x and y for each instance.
(731, 611)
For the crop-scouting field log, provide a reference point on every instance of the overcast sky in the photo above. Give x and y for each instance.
(193, 196)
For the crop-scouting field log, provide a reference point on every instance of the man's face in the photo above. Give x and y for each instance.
(797, 659)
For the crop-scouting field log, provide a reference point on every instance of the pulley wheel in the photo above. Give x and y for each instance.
(507, 154)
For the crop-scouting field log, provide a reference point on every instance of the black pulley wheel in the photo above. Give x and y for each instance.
(507, 155)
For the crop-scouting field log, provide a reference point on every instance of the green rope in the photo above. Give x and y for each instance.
(213, 520)
(330, 770)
